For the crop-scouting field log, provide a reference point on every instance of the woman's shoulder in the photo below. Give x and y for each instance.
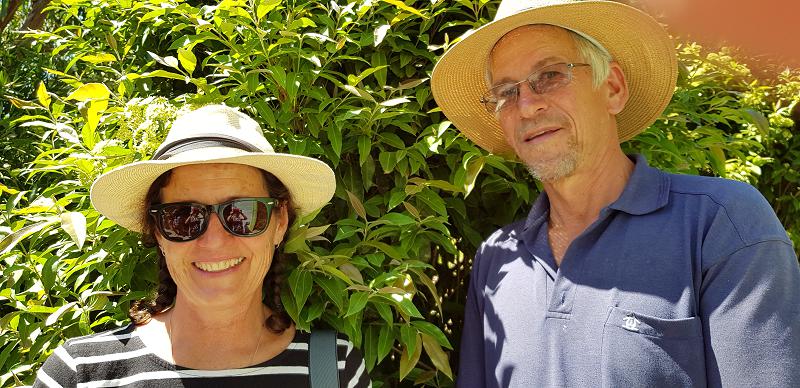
(303, 339)
(105, 342)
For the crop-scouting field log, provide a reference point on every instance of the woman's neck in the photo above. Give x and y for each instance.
(213, 338)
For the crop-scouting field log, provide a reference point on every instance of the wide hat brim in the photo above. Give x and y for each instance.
(120, 194)
(636, 41)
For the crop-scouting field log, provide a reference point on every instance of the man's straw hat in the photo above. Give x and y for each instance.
(211, 134)
(636, 41)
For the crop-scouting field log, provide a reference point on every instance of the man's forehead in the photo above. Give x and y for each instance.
(532, 37)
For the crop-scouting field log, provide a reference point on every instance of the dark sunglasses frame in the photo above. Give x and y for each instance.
(157, 212)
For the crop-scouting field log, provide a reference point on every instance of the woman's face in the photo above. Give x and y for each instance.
(218, 268)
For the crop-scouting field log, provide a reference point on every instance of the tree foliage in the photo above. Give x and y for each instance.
(387, 261)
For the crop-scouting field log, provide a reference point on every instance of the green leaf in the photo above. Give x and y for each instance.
(433, 331)
(42, 96)
(301, 23)
(74, 223)
(99, 58)
(385, 248)
(407, 306)
(91, 91)
(8, 242)
(188, 59)
(357, 205)
(402, 6)
(385, 312)
(152, 15)
(357, 302)
(437, 355)
(428, 283)
(395, 101)
(379, 34)
(337, 272)
(165, 74)
(355, 80)
(170, 61)
(265, 6)
(398, 219)
(385, 341)
(53, 318)
(288, 301)
(388, 160)
(335, 137)
(473, 168)
(410, 356)
(352, 272)
(430, 198)
(370, 345)
(396, 198)
(358, 92)
(364, 145)
(333, 289)
(300, 281)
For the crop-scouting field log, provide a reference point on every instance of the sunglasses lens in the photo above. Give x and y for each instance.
(183, 222)
(245, 217)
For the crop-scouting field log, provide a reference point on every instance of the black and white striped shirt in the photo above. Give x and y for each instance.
(119, 358)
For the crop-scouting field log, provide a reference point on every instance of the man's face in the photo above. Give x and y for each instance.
(556, 132)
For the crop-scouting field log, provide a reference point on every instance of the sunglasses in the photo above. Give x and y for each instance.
(186, 221)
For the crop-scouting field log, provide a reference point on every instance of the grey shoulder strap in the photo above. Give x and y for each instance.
(323, 364)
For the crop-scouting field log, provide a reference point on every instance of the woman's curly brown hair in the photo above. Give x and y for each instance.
(143, 310)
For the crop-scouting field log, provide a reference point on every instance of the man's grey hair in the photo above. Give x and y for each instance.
(598, 58)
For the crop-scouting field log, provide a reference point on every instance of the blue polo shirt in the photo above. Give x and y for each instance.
(682, 281)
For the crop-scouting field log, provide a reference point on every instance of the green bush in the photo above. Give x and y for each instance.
(388, 260)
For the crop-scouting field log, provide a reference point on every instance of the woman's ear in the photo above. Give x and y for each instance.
(617, 88)
(281, 218)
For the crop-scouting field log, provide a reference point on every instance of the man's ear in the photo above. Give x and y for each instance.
(617, 88)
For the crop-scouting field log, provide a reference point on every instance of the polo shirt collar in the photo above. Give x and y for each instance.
(647, 190)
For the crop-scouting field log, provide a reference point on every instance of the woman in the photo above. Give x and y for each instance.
(217, 201)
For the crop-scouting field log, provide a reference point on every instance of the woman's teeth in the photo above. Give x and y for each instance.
(218, 266)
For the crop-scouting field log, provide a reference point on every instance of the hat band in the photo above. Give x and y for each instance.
(193, 143)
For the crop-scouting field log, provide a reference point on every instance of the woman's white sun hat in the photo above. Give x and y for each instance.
(634, 39)
(211, 134)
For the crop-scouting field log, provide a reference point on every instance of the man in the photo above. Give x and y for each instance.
(622, 275)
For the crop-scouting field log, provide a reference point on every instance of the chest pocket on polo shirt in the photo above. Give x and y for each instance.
(644, 351)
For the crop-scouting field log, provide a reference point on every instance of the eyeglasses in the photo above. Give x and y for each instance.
(186, 221)
(541, 81)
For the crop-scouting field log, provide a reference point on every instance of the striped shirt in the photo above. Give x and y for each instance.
(119, 358)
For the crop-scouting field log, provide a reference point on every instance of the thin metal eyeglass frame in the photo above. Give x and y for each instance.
(490, 102)
(156, 211)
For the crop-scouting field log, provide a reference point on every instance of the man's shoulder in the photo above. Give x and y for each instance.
(723, 191)
(506, 236)
(732, 202)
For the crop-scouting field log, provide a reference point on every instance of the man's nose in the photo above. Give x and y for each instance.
(529, 102)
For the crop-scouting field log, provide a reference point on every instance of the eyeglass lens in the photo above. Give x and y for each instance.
(542, 81)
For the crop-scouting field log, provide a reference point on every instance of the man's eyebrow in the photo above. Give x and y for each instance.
(536, 66)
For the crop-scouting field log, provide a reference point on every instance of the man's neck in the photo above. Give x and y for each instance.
(576, 200)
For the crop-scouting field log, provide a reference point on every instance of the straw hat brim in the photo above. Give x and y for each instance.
(120, 194)
(635, 40)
